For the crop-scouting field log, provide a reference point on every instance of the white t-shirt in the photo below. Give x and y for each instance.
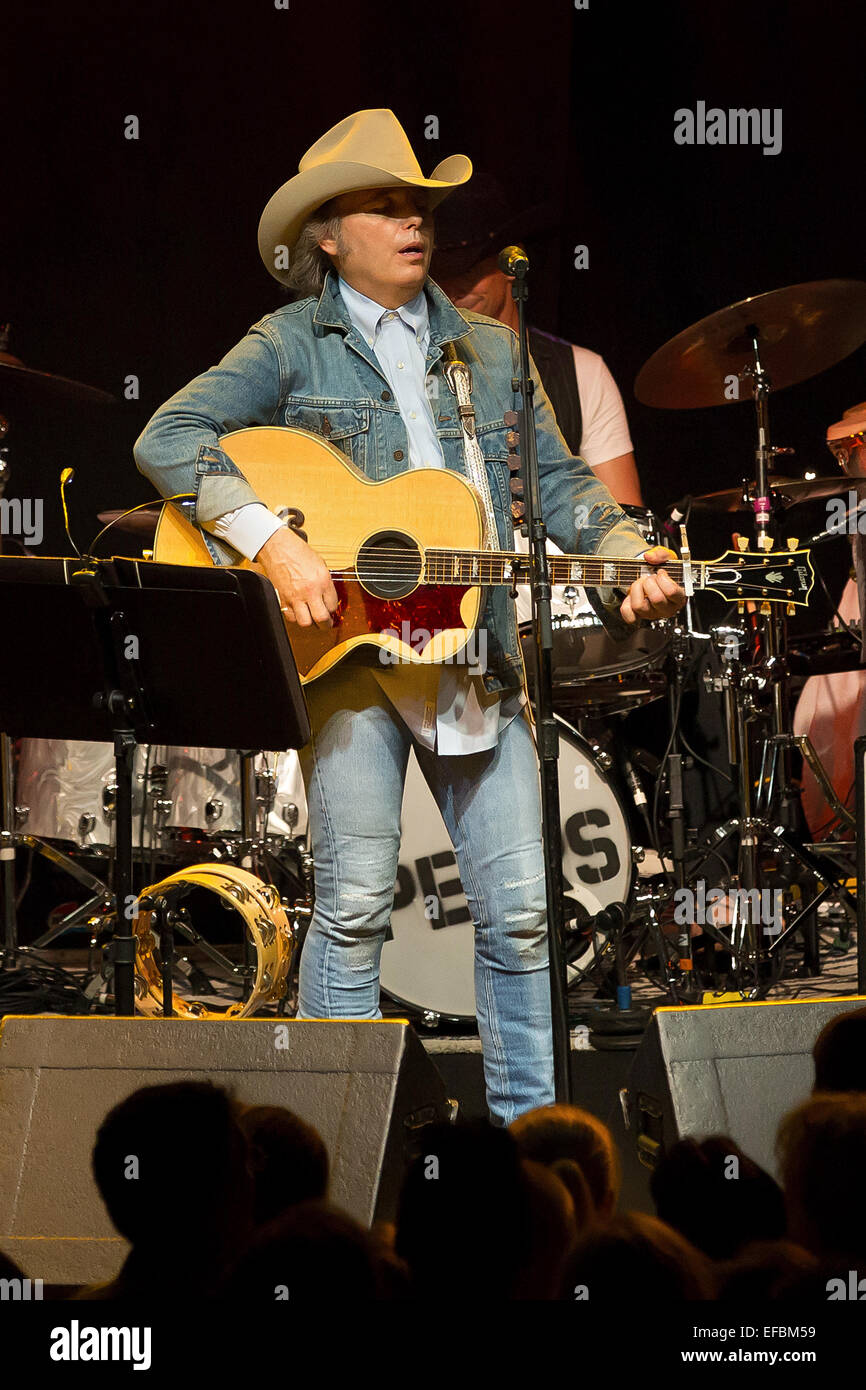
(604, 436)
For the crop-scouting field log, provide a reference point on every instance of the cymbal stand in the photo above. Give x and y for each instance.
(681, 652)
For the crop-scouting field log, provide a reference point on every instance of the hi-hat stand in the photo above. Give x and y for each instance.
(770, 823)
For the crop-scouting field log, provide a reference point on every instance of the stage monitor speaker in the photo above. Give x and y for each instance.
(368, 1088)
(732, 1069)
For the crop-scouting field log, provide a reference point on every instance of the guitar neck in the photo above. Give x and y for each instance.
(490, 567)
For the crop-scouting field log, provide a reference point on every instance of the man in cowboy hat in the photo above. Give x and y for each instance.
(358, 358)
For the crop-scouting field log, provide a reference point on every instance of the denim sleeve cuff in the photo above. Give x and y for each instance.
(218, 493)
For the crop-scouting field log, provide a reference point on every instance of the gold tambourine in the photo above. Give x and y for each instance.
(265, 923)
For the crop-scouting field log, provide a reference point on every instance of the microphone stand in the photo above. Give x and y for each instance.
(548, 734)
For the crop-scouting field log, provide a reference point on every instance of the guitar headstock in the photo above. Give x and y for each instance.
(775, 576)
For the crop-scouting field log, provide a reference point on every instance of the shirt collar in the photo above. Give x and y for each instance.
(366, 314)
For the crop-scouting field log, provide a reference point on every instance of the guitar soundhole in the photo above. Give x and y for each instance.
(389, 564)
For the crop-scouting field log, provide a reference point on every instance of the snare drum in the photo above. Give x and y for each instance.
(593, 673)
(428, 962)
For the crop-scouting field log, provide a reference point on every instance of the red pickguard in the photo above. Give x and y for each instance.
(429, 609)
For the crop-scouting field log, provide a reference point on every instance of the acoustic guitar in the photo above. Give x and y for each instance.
(407, 555)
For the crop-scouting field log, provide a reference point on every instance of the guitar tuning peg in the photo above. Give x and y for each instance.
(765, 542)
(741, 606)
(742, 542)
(793, 542)
(791, 610)
(766, 610)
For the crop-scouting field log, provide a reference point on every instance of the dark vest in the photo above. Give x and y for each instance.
(555, 362)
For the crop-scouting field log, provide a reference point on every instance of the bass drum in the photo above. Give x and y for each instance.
(428, 961)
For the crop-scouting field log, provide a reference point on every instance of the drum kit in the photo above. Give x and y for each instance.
(630, 856)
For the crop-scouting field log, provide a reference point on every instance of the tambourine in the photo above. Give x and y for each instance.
(265, 923)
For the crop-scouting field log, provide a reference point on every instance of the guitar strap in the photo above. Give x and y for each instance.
(459, 378)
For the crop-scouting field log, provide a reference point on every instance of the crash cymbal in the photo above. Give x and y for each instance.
(803, 329)
(141, 523)
(787, 492)
(18, 382)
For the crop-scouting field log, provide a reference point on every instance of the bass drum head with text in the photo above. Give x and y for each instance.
(428, 960)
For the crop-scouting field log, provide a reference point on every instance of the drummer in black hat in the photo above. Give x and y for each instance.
(472, 227)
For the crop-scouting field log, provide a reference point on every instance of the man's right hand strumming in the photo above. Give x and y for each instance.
(300, 577)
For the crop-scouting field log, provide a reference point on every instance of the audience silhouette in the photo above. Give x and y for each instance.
(230, 1201)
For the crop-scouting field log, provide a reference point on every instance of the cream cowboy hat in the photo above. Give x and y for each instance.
(369, 149)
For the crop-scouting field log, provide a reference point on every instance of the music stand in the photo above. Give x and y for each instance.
(134, 651)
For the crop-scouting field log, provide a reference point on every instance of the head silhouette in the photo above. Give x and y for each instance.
(287, 1158)
(840, 1053)
(187, 1133)
(716, 1196)
(555, 1132)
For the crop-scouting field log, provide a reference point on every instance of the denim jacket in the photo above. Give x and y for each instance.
(307, 365)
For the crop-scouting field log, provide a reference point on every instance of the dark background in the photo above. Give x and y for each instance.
(124, 257)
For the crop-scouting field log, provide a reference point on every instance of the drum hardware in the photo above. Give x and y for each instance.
(571, 596)
(768, 341)
(685, 640)
(266, 793)
(291, 816)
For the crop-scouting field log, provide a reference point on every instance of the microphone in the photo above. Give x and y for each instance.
(513, 261)
(66, 477)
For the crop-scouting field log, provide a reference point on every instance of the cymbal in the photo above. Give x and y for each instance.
(788, 491)
(18, 382)
(803, 329)
(141, 523)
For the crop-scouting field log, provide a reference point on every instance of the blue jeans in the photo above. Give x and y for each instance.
(355, 769)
